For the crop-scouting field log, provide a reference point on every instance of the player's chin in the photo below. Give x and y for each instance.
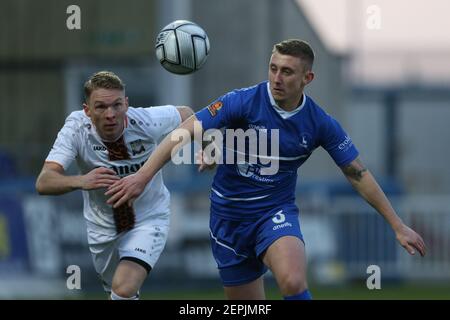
(279, 99)
(278, 95)
(111, 132)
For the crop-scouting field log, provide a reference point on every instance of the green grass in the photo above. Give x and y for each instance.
(346, 292)
(388, 292)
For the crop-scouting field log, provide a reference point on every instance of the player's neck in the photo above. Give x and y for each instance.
(109, 139)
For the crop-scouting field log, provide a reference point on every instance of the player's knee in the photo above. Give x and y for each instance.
(124, 291)
(292, 284)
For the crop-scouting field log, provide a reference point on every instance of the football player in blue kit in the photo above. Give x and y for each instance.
(254, 223)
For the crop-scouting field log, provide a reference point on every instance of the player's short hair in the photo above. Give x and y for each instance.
(102, 80)
(297, 48)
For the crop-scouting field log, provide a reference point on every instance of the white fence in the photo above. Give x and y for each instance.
(343, 238)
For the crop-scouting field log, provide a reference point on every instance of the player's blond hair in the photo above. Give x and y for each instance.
(297, 48)
(102, 80)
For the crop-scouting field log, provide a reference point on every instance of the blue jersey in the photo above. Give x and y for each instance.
(240, 191)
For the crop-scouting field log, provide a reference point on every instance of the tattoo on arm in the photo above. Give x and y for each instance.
(355, 170)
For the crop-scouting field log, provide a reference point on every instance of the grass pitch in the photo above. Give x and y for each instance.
(344, 292)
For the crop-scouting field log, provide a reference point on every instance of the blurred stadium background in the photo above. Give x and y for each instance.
(394, 102)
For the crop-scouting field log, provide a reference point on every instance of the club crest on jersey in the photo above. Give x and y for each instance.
(137, 147)
(305, 140)
(215, 107)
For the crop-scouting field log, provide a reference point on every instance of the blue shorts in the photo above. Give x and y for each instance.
(237, 245)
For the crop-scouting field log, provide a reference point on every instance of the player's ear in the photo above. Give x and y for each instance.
(86, 109)
(309, 76)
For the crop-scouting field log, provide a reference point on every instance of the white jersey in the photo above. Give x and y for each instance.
(78, 140)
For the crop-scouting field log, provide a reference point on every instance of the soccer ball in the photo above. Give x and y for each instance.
(182, 47)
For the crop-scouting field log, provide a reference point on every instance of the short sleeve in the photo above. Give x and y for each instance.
(65, 148)
(162, 120)
(337, 142)
(222, 112)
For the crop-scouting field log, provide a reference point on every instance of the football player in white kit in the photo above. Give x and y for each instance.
(110, 140)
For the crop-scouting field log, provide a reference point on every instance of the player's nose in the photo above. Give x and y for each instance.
(110, 112)
(277, 77)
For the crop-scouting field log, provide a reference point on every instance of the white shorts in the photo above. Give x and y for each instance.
(144, 242)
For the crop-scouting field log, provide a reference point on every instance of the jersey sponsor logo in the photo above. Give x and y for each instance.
(128, 169)
(253, 171)
(140, 250)
(346, 144)
(97, 147)
(257, 126)
(215, 107)
(137, 146)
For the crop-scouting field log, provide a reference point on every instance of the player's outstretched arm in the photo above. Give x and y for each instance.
(53, 181)
(129, 188)
(185, 112)
(364, 182)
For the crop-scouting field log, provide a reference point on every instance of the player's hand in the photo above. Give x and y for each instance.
(205, 163)
(410, 240)
(125, 190)
(98, 178)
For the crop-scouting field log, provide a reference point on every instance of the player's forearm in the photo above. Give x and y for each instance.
(169, 146)
(369, 189)
(157, 160)
(185, 112)
(54, 183)
(363, 181)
